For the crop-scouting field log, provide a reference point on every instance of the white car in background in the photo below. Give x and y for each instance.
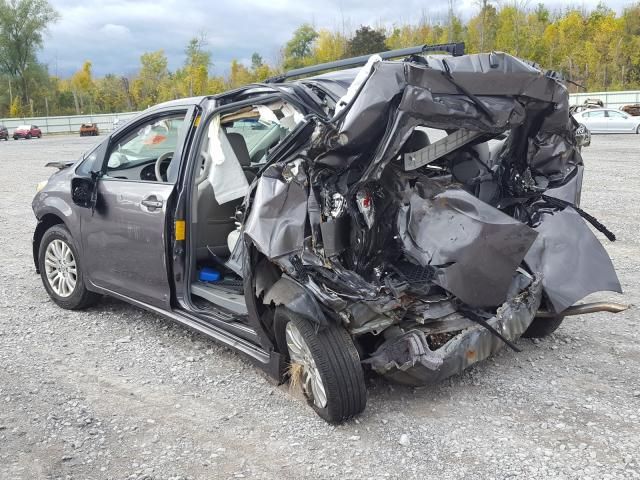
(608, 120)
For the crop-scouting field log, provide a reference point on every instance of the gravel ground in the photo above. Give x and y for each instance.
(116, 392)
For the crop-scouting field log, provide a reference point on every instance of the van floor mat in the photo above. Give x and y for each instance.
(230, 285)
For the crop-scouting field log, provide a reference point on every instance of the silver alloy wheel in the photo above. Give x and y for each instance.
(299, 353)
(60, 268)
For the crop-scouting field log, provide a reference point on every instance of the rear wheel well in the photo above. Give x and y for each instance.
(45, 223)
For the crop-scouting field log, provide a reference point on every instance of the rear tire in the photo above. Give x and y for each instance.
(61, 270)
(638, 130)
(543, 327)
(330, 362)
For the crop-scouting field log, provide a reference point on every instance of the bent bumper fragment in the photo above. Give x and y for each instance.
(409, 360)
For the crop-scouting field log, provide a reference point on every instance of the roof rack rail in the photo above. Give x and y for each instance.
(455, 49)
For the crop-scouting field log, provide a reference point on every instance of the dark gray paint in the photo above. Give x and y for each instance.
(474, 248)
(125, 240)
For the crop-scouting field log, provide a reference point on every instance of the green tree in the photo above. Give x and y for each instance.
(22, 26)
(298, 50)
(239, 75)
(146, 87)
(481, 29)
(256, 61)
(509, 32)
(196, 68)
(111, 94)
(366, 41)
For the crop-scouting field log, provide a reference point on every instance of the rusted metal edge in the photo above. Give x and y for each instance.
(584, 308)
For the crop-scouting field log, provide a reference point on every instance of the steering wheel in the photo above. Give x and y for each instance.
(159, 161)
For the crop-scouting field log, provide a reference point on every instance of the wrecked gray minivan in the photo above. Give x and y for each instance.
(407, 218)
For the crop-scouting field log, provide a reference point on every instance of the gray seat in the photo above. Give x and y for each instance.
(216, 221)
(239, 146)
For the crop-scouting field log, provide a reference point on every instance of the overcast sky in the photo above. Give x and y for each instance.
(112, 34)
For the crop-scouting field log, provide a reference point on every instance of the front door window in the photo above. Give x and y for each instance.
(135, 155)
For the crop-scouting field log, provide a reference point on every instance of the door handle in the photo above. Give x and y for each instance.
(152, 202)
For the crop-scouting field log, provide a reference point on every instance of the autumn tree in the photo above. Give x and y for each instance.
(509, 31)
(146, 87)
(22, 26)
(239, 75)
(481, 29)
(82, 87)
(111, 94)
(329, 46)
(597, 48)
(196, 69)
(631, 46)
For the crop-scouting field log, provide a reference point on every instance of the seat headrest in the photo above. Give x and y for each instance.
(239, 146)
(417, 141)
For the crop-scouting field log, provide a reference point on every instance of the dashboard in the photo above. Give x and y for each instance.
(145, 171)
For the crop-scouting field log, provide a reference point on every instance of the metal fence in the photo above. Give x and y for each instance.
(610, 99)
(68, 124)
(71, 123)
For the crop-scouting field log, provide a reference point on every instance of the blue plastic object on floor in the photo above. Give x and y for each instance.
(208, 274)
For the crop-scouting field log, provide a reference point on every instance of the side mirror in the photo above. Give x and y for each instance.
(82, 191)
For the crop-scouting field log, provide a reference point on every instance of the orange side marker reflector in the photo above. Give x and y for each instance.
(181, 230)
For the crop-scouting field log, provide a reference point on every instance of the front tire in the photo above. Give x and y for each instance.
(638, 130)
(61, 270)
(332, 377)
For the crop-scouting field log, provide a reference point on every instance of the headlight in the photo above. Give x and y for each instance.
(41, 185)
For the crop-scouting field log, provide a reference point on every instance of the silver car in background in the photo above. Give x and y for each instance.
(608, 120)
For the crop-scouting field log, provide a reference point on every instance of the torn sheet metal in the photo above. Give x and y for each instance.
(277, 220)
(474, 247)
(572, 261)
(296, 298)
(357, 83)
(470, 346)
(402, 240)
(405, 352)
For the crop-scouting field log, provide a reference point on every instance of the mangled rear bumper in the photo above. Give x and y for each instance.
(407, 359)
(387, 233)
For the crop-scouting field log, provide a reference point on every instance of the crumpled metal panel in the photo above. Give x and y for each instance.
(288, 292)
(470, 346)
(571, 190)
(537, 158)
(366, 117)
(571, 259)
(553, 152)
(407, 351)
(474, 247)
(277, 219)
